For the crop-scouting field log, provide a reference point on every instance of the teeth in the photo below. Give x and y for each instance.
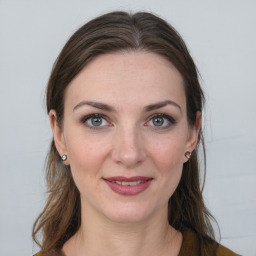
(128, 183)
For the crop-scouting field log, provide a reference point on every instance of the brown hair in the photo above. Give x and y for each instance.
(120, 31)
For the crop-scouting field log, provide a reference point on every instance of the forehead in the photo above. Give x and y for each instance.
(126, 77)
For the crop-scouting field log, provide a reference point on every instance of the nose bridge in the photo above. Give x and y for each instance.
(128, 145)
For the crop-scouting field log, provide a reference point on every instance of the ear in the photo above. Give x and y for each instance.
(193, 134)
(58, 137)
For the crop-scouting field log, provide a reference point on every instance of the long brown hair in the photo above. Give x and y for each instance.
(120, 31)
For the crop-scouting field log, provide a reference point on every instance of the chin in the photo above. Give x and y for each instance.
(129, 213)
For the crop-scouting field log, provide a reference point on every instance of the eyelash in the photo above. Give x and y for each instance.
(171, 121)
(88, 117)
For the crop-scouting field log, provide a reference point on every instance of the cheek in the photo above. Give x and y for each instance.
(170, 164)
(168, 159)
(86, 154)
(169, 153)
(86, 158)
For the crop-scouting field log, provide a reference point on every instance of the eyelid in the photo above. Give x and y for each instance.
(169, 118)
(84, 119)
(171, 121)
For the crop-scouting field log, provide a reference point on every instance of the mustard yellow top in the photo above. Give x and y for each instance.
(191, 247)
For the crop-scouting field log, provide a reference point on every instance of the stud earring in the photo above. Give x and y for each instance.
(188, 155)
(64, 157)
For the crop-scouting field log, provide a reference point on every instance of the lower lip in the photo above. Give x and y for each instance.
(128, 190)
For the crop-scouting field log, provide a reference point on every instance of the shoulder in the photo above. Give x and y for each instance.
(51, 253)
(223, 251)
(192, 246)
(38, 254)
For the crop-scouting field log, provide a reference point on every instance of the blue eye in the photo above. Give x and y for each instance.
(158, 121)
(95, 121)
(161, 121)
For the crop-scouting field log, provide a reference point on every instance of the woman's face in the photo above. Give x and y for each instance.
(125, 133)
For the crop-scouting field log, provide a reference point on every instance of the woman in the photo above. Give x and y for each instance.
(125, 108)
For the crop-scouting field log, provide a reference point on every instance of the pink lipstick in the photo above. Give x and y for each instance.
(128, 186)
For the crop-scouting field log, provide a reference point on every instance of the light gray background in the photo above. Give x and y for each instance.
(222, 40)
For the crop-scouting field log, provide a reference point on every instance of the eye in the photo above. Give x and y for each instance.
(95, 121)
(161, 121)
(158, 121)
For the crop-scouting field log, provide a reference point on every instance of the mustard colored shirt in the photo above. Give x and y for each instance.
(191, 247)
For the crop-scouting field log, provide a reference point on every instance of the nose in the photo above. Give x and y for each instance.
(128, 149)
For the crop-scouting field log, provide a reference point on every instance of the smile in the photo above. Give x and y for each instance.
(127, 183)
(128, 186)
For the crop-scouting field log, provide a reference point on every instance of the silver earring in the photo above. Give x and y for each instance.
(64, 157)
(188, 155)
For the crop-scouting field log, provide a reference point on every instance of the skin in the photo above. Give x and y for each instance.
(127, 143)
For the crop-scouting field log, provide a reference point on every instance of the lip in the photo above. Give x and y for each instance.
(128, 190)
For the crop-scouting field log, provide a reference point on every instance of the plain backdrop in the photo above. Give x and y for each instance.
(222, 40)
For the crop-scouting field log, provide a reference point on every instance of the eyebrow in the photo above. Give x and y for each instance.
(98, 105)
(106, 107)
(162, 104)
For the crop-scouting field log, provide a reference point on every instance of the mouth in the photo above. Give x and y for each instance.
(128, 183)
(128, 186)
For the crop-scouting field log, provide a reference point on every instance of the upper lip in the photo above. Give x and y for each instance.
(121, 178)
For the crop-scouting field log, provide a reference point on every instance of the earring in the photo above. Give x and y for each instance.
(188, 155)
(64, 157)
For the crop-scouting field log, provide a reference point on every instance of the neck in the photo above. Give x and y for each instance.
(153, 236)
